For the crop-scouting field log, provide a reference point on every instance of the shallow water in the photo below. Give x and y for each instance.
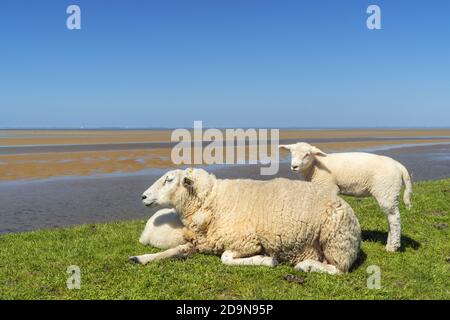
(62, 201)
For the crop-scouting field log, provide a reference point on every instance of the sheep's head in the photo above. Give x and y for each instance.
(176, 186)
(303, 155)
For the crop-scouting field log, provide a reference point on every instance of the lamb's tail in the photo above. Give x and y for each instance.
(408, 186)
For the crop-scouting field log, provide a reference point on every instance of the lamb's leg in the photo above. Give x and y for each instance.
(394, 228)
(394, 236)
(316, 266)
(180, 251)
(228, 258)
(390, 210)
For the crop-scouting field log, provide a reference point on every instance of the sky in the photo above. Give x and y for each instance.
(229, 63)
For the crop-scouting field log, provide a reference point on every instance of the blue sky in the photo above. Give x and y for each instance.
(229, 63)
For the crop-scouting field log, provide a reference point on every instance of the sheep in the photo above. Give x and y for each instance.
(357, 174)
(163, 230)
(251, 222)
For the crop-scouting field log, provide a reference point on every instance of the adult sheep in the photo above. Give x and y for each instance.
(251, 222)
(357, 174)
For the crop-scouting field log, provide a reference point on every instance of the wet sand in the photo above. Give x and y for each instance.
(35, 161)
(67, 137)
(44, 165)
(57, 202)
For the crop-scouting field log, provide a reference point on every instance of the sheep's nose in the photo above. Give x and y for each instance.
(294, 167)
(144, 197)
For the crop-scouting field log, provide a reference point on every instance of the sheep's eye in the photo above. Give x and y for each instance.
(168, 179)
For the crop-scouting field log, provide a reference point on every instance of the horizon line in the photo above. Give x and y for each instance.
(131, 128)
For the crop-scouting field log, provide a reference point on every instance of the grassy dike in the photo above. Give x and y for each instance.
(33, 265)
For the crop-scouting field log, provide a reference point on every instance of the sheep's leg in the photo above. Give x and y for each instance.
(392, 214)
(181, 251)
(394, 236)
(388, 240)
(390, 210)
(228, 258)
(316, 266)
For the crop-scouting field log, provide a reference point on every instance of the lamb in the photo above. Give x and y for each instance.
(250, 222)
(357, 174)
(163, 230)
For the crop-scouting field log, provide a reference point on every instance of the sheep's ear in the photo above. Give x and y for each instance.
(188, 184)
(285, 147)
(317, 152)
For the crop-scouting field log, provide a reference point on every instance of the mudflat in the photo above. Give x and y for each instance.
(46, 137)
(37, 154)
(68, 137)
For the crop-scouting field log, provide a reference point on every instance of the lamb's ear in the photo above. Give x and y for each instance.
(285, 146)
(188, 183)
(317, 152)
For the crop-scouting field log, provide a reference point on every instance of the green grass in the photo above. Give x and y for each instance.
(33, 265)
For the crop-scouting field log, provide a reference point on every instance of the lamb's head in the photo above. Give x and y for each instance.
(177, 186)
(303, 155)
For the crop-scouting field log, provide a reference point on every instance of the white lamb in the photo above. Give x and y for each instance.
(163, 230)
(251, 222)
(357, 174)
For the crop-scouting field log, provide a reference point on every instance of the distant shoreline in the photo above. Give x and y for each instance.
(221, 127)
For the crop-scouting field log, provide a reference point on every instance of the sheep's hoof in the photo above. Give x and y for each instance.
(269, 262)
(134, 260)
(390, 248)
(303, 266)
